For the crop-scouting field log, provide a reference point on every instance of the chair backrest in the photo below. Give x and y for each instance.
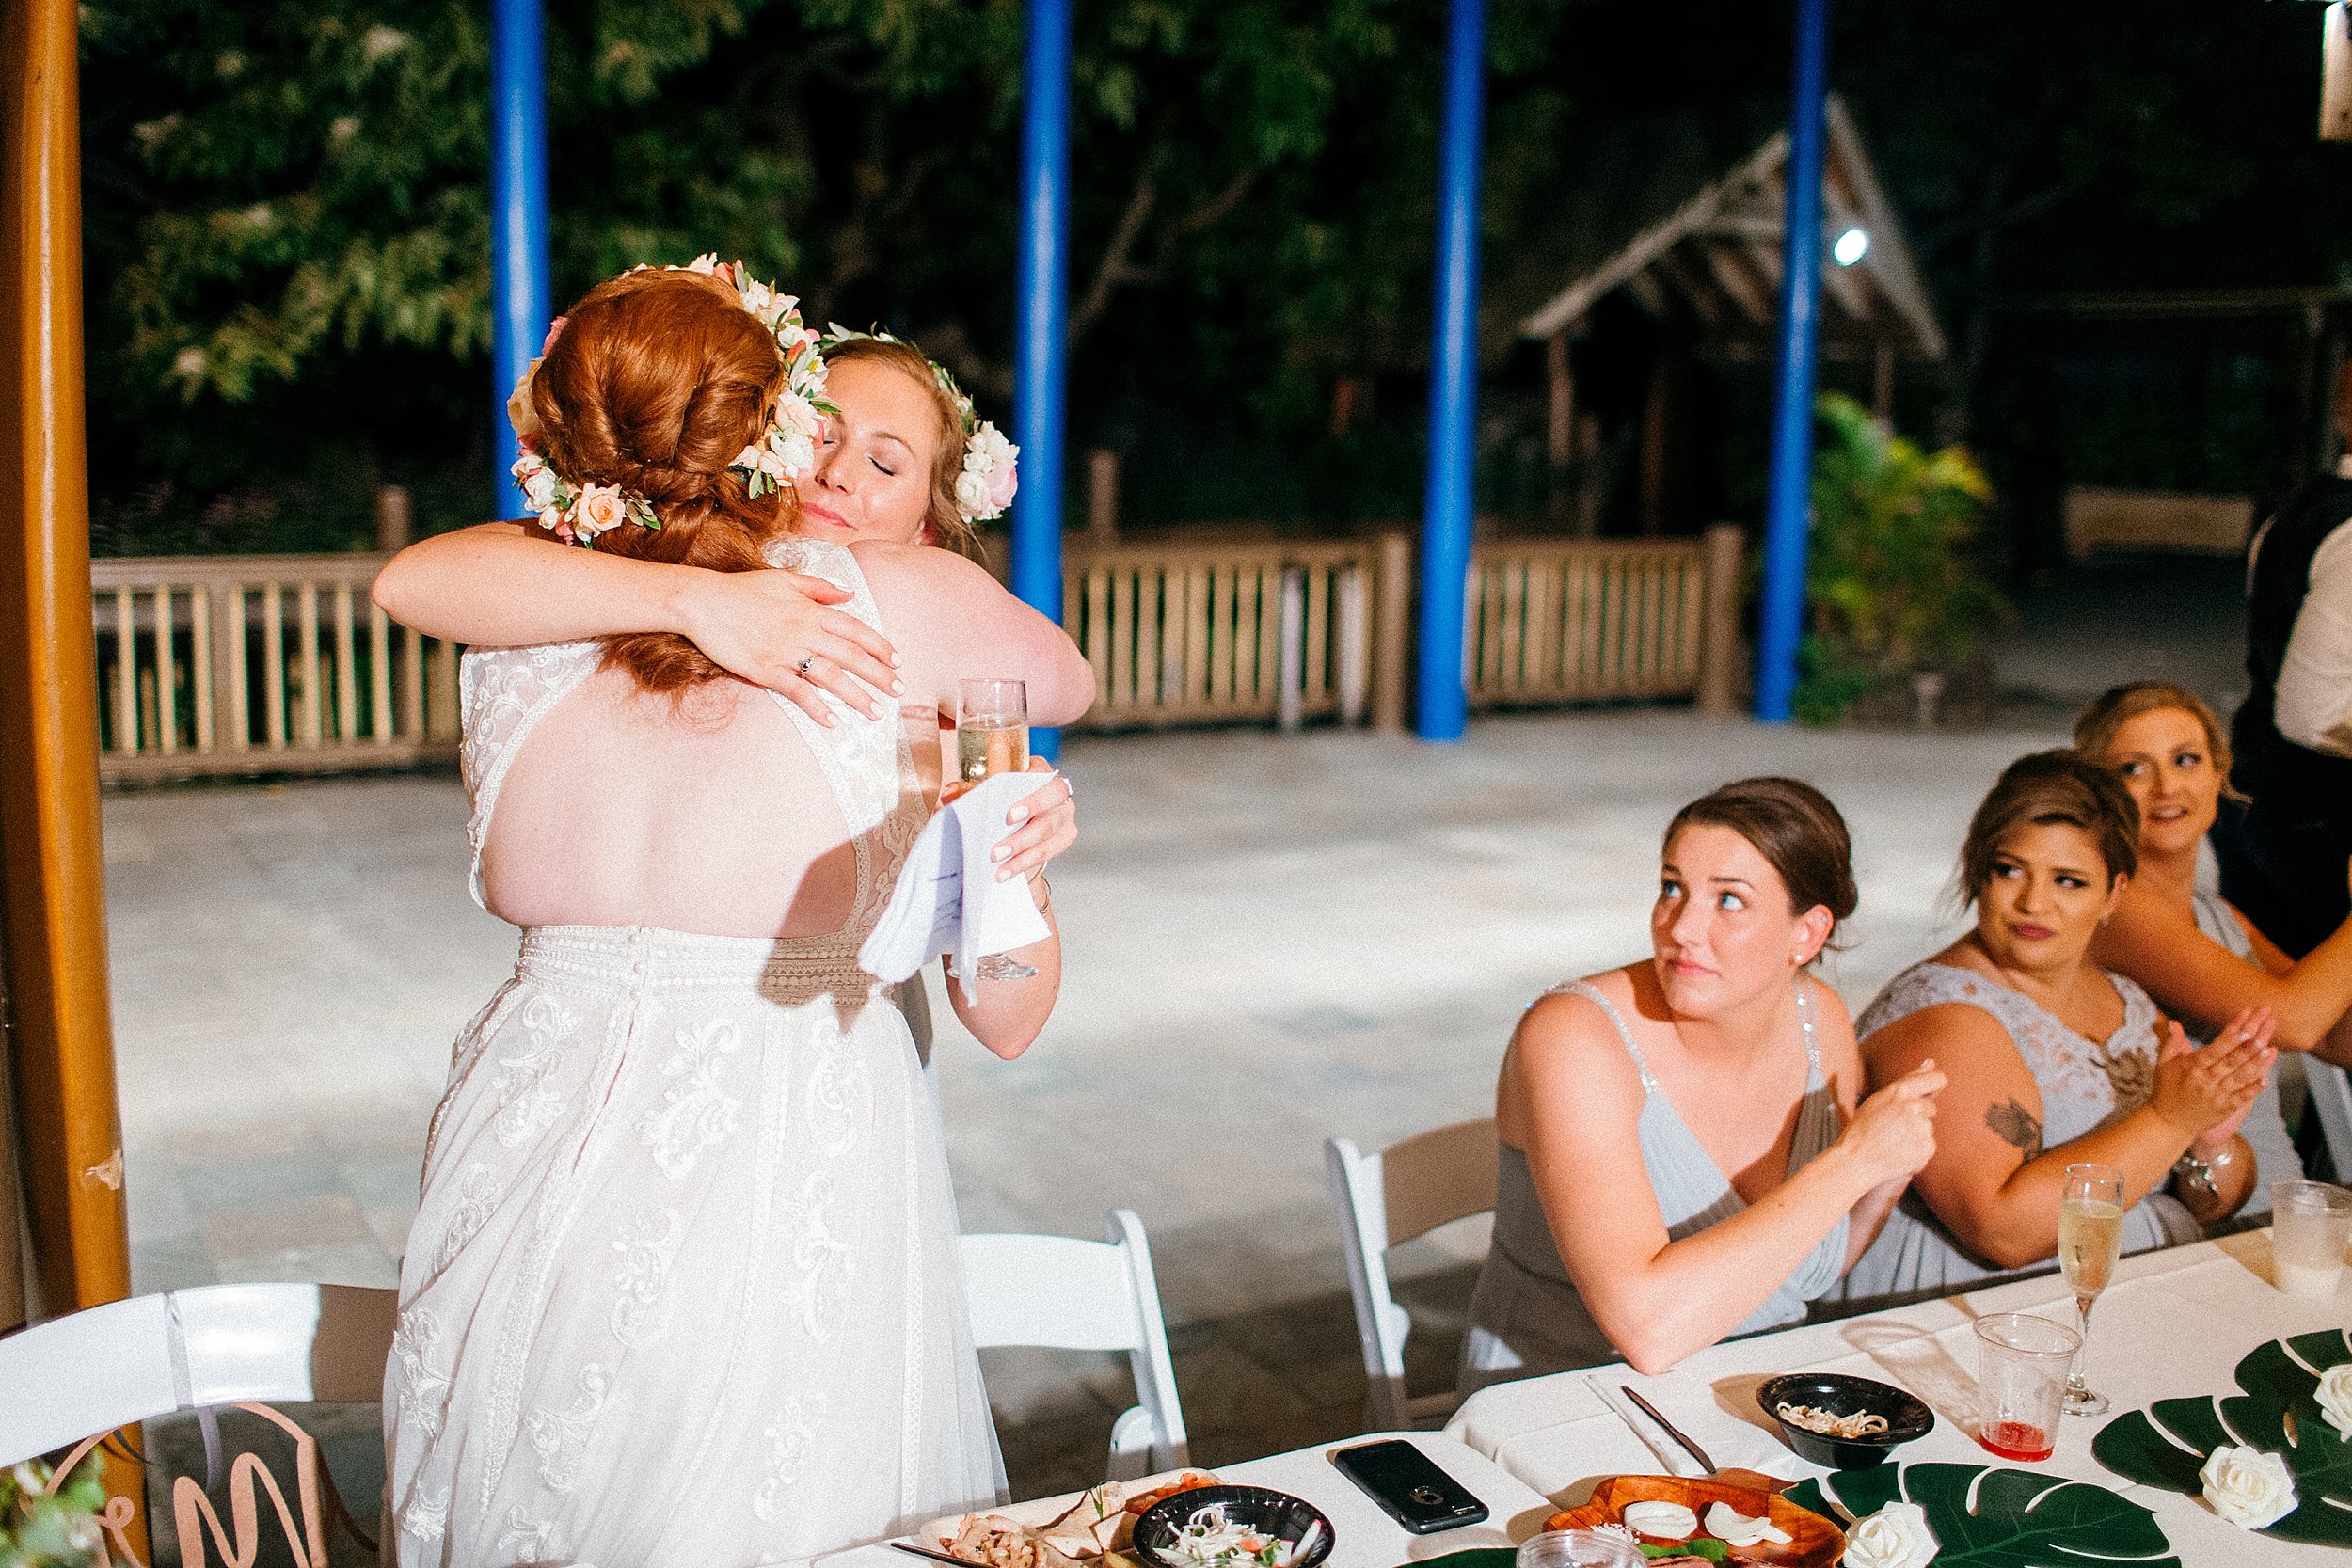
(1060, 1293)
(126, 1361)
(1409, 1189)
(2331, 1101)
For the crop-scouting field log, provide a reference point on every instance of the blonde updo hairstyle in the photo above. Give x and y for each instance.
(2117, 705)
(658, 380)
(943, 524)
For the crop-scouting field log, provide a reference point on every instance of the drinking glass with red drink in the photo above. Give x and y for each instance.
(2022, 1364)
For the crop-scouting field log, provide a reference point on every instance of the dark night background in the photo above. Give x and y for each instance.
(286, 239)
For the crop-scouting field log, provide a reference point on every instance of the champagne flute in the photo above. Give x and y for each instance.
(2090, 1235)
(991, 737)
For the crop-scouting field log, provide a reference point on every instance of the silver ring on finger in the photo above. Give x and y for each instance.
(806, 659)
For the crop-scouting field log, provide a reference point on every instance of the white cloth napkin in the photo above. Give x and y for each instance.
(947, 899)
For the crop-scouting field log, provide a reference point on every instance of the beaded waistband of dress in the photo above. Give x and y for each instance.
(652, 955)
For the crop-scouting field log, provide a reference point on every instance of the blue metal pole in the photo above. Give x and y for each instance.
(520, 308)
(1038, 318)
(1443, 708)
(1787, 512)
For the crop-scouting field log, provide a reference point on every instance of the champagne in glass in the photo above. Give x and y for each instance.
(984, 750)
(2090, 1238)
(991, 737)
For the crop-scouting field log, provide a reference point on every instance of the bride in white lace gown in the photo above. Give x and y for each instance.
(683, 1285)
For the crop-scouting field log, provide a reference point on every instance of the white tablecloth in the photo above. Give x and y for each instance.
(1361, 1535)
(2173, 1323)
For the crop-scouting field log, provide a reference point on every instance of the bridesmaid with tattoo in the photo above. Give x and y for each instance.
(2051, 1060)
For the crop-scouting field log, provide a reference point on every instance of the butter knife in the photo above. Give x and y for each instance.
(1669, 1427)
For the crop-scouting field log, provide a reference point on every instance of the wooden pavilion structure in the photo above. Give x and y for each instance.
(1681, 215)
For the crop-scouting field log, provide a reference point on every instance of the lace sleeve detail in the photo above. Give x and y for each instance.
(501, 692)
(1933, 984)
(860, 755)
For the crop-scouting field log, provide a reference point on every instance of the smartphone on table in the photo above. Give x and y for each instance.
(1408, 1486)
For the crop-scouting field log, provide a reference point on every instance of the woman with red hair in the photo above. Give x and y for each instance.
(683, 1288)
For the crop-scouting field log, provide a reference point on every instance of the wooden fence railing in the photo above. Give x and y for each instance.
(1188, 633)
(253, 664)
(264, 663)
(1551, 621)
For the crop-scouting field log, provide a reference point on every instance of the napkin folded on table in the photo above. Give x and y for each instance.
(1691, 1403)
(947, 899)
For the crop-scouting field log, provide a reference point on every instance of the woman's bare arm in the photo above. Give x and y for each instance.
(1993, 1180)
(1007, 1015)
(504, 585)
(956, 623)
(1658, 1300)
(2157, 943)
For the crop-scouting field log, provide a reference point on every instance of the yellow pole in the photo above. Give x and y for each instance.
(54, 881)
(52, 868)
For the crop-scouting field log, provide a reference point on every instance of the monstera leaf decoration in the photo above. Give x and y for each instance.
(1985, 1519)
(2166, 1444)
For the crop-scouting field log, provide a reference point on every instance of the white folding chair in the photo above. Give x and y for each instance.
(1409, 1189)
(2331, 1102)
(1058, 1293)
(74, 1379)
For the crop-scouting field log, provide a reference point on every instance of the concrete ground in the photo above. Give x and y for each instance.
(1270, 941)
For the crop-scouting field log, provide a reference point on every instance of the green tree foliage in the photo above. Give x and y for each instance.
(1892, 573)
(42, 1530)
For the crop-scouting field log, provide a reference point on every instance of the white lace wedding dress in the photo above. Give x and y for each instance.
(683, 1289)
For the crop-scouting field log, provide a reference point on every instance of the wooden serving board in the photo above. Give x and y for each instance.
(1813, 1540)
(1036, 1512)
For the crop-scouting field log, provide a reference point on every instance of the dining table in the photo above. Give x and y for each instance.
(1361, 1535)
(2171, 1323)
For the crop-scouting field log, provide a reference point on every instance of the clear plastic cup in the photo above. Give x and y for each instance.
(1579, 1548)
(2022, 1363)
(2310, 1222)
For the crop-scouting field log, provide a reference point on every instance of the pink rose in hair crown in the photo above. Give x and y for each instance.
(796, 413)
(555, 330)
(602, 508)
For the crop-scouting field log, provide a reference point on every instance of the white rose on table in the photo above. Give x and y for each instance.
(1897, 1536)
(2334, 1395)
(2247, 1487)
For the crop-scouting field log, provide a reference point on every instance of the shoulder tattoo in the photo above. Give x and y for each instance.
(2014, 1125)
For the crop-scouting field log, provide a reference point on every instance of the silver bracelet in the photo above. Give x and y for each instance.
(2191, 1171)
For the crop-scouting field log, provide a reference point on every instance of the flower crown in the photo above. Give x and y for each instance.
(784, 450)
(986, 483)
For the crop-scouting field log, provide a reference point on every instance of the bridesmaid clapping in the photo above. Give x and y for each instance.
(1682, 1158)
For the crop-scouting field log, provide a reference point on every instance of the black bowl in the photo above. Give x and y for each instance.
(1906, 1418)
(1276, 1514)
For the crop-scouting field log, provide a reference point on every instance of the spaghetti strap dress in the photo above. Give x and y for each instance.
(683, 1289)
(1526, 1316)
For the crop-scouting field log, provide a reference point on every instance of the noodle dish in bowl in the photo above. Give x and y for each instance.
(1846, 1423)
(1233, 1527)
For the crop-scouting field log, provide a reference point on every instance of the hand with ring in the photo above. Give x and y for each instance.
(779, 630)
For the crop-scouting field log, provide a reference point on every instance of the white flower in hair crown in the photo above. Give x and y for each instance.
(988, 478)
(785, 450)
